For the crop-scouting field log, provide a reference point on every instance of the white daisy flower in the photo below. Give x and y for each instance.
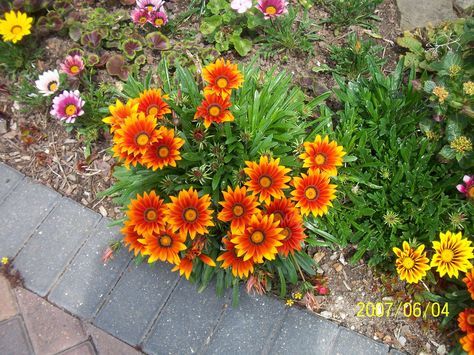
(48, 82)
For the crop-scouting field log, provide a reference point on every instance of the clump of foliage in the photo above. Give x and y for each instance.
(352, 58)
(267, 119)
(345, 13)
(389, 188)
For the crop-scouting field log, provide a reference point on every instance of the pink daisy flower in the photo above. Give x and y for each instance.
(158, 18)
(140, 16)
(72, 65)
(468, 188)
(241, 6)
(68, 106)
(272, 8)
(150, 5)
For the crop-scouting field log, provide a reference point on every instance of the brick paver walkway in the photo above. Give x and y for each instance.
(74, 304)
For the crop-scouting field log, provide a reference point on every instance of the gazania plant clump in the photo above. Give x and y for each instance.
(211, 203)
(149, 12)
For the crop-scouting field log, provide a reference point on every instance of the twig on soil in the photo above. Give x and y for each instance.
(58, 161)
(102, 199)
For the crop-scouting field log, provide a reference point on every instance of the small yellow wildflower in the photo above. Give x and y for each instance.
(4, 260)
(297, 296)
(289, 302)
(432, 136)
(441, 93)
(468, 88)
(454, 70)
(461, 144)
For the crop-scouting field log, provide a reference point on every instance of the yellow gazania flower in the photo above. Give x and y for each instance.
(411, 264)
(15, 26)
(452, 254)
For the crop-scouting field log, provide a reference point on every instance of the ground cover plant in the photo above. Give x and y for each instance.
(242, 141)
(227, 159)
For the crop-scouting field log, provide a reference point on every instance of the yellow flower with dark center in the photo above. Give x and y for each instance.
(151, 103)
(239, 267)
(15, 26)
(119, 112)
(461, 144)
(452, 254)
(468, 88)
(441, 93)
(214, 108)
(411, 264)
(131, 237)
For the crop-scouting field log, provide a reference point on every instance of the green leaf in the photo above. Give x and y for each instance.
(241, 45)
(210, 24)
(282, 282)
(411, 43)
(215, 6)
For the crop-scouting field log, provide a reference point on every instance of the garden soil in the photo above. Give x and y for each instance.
(37, 145)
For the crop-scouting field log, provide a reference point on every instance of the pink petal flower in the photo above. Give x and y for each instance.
(468, 179)
(72, 65)
(68, 106)
(461, 188)
(272, 8)
(241, 6)
(140, 16)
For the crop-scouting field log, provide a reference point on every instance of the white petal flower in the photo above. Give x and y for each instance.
(48, 82)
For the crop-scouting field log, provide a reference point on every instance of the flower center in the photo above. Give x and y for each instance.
(52, 86)
(70, 110)
(286, 232)
(222, 82)
(142, 138)
(278, 216)
(447, 255)
(152, 110)
(163, 151)
(238, 210)
(159, 21)
(257, 237)
(265, 181)
(74, 69)
(165, 240)
(311, 193)
(190, 215)
(320, 159)
(470, 319)
(16, 29)
(214, 110)
(142, 20)
(408, 263)
(150, 215)
(271, 10)
(150, 7)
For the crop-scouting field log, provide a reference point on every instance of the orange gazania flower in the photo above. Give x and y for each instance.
(131, 239)
(222, 77)
(469, 281)
(164, 246)
(323, 155)
(313, 193)
(165, 151)
(119, 113)
(214, 109)
(267, 178)
(136, 134)
(281, 208)
(127, 159)
(260, 239)
(293, 231)
(185, 265)
(146, 213)
(151, 103)
(188, 213)
(466, 320)
(230, 259)
(238, 208)
(467, 343)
